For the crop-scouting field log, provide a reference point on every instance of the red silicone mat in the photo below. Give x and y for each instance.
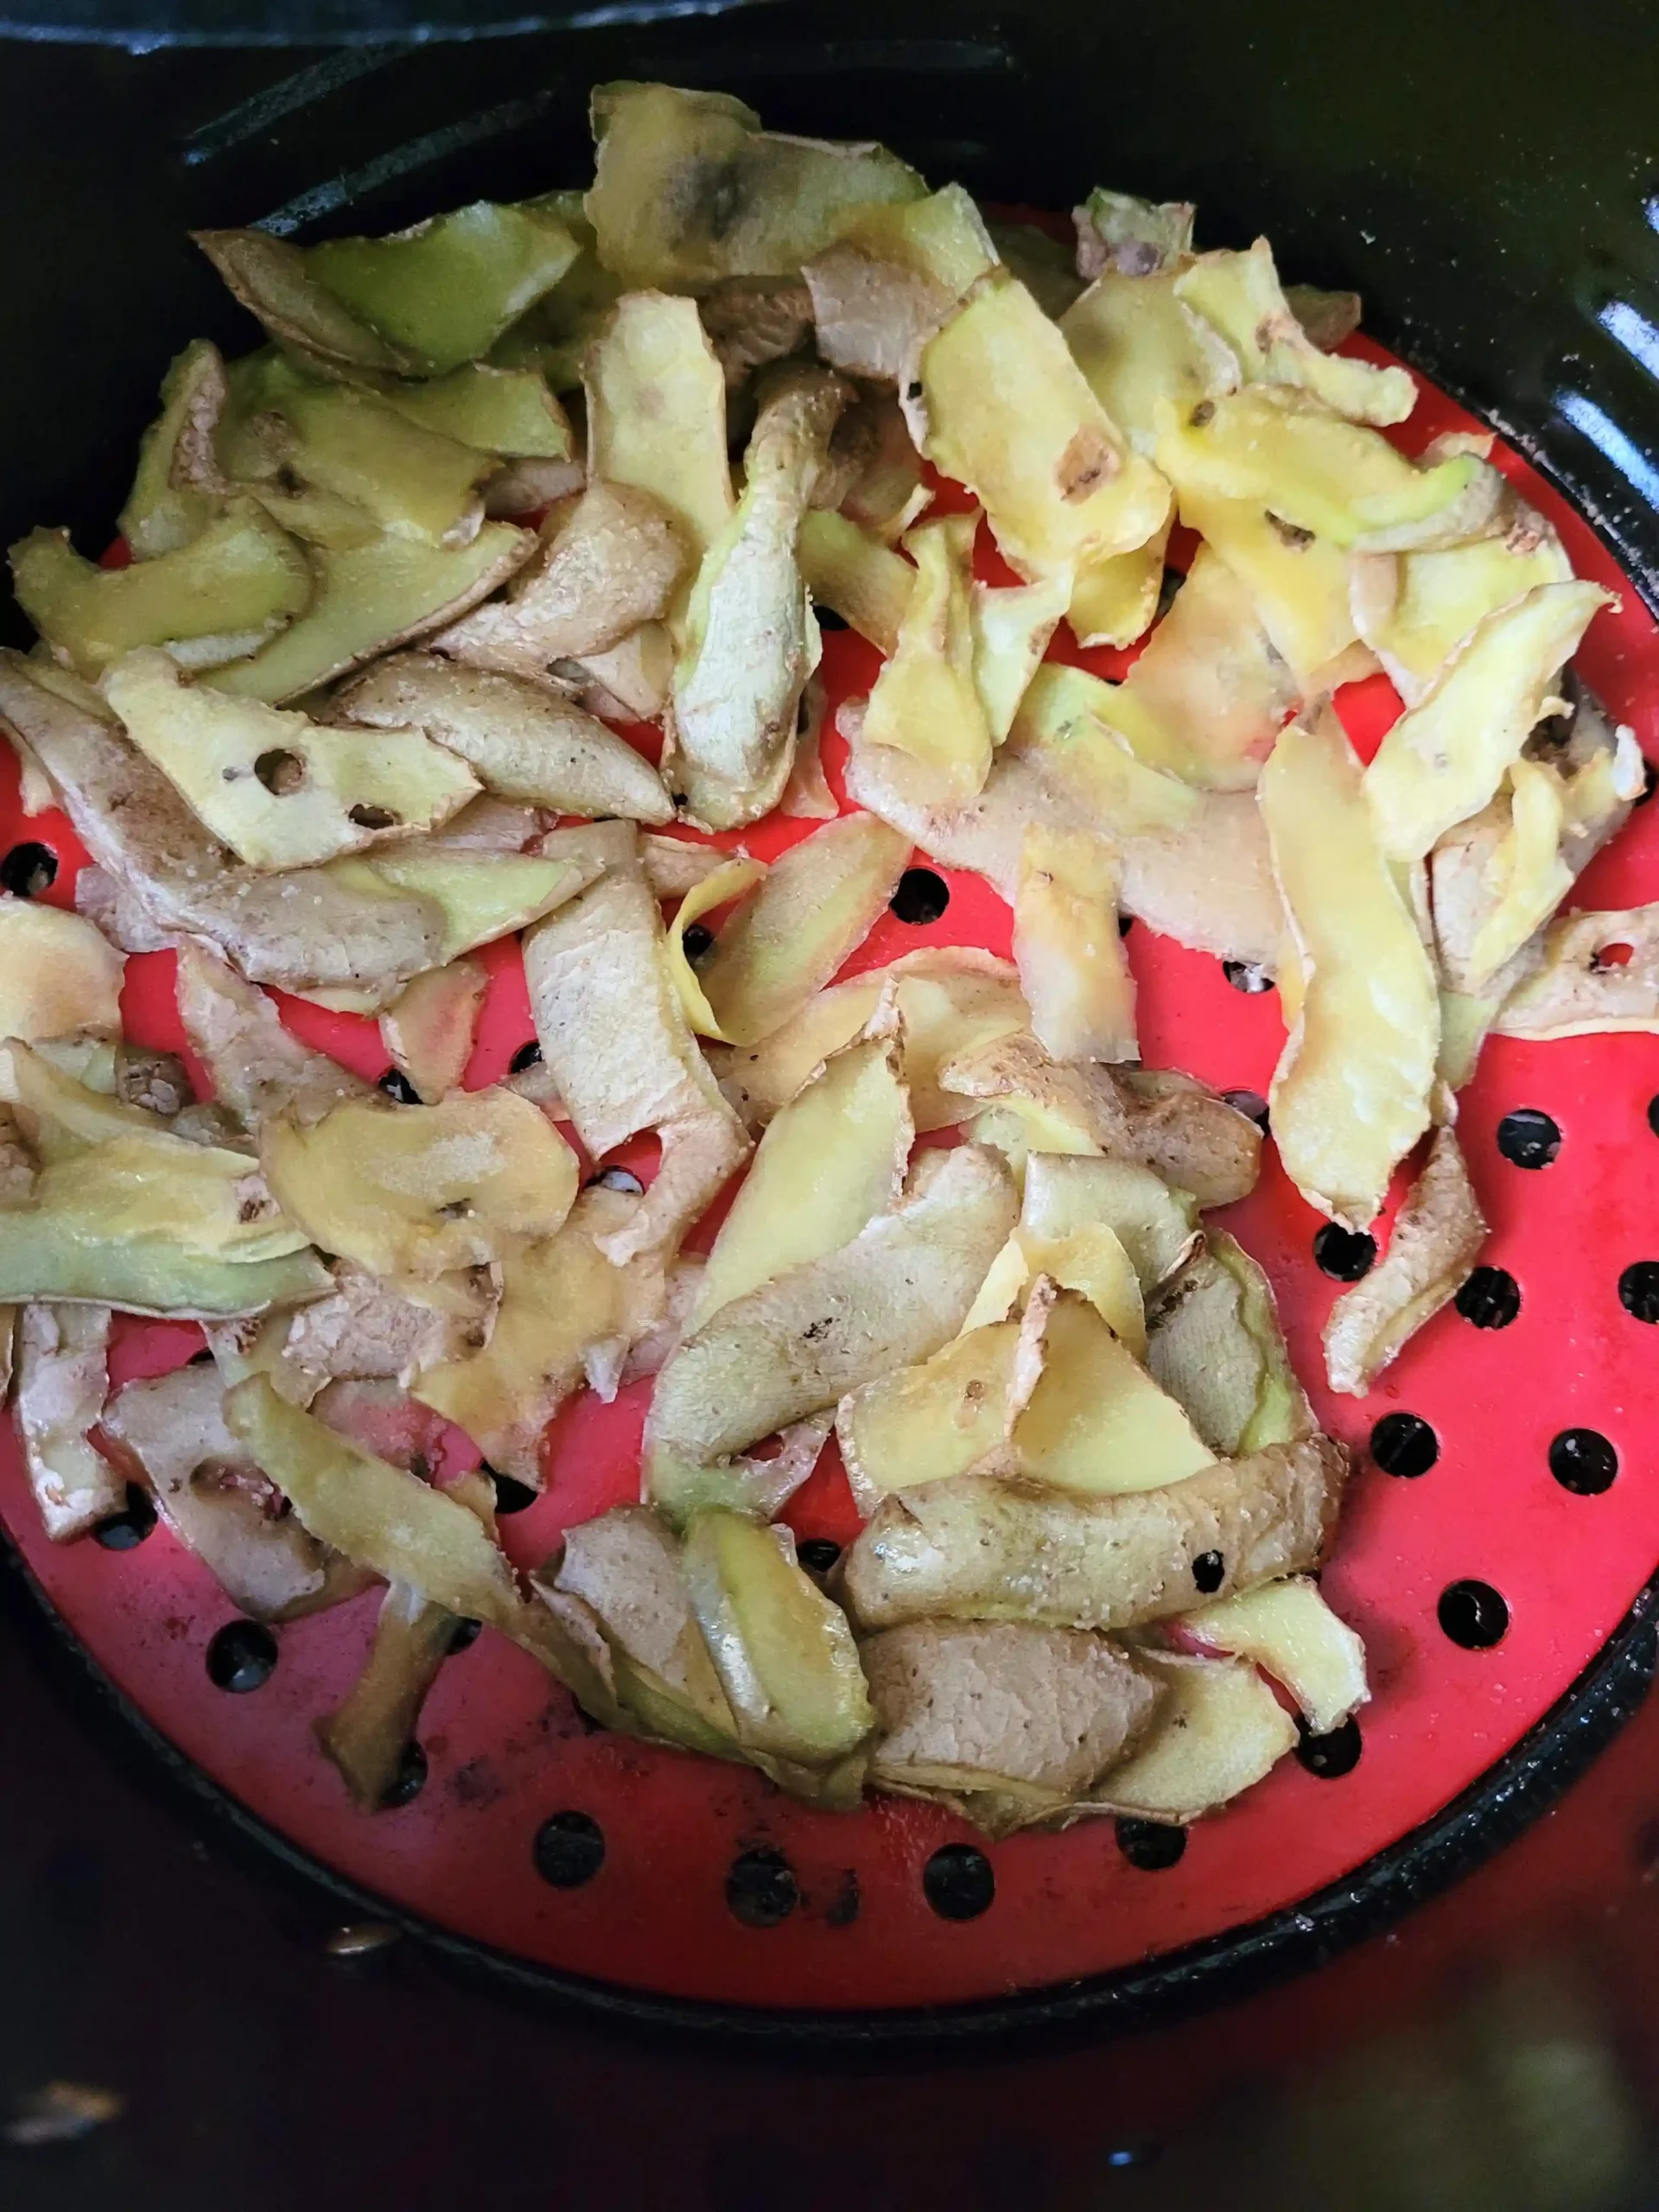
(506, 1752)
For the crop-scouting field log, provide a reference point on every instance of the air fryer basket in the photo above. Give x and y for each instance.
(1479, 174)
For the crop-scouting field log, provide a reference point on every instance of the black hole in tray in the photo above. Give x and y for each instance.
(819, 1553)
(1490, 1298)
(1650, 778)
(1333, 1755)
(527, 1056)
(465, 1633)
(828, 619)
(1125, 924)
(958, 1883)
(1251, 1104)
(760, 1888)
(1529, 1138)
(921, 897)
(396, 1084)
(1247, 975)
(616, 1179)
(242, 1656)
(1151, 1845)
(1653, 1115)
(1583, 1461)
(511, 1495)
(1638, 1290)
(569, 1850)
(408, 1783)
(29, 869)
(122, 1531)
(1474, 1615)
(1344, 1254)
(1404, 1444)
(1208, 1571)
(695, 939)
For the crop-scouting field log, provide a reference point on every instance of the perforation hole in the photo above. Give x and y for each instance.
(527, 1056)
(124, 1531)
(1583, 1461)
(398, 1086)
(1332, 1754)
(1151, 1845)
(1344, 1254)
(408, 1783)
(1474, 1615)
(1528, 1137)
(1404, 1444)
(1247, 975)
(511, 1495)
(1251, 1104)
(569, 1850)
(29, 869)
(1638, 1290)
(1490, 1298)
(242, 1656)
(617, 1178)
(922, 897)
(958, 1882)
(760, 1888)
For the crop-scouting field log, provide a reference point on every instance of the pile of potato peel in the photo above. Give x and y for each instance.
(344, 716)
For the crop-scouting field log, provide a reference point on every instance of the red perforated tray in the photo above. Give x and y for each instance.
(506, 1750)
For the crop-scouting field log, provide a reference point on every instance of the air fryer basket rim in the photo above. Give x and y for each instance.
(1540, 372)
(1507, 1799)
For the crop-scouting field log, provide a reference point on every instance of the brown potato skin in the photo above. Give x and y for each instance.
(981, 1548)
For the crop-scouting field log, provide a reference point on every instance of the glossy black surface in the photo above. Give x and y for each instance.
(1487, 174)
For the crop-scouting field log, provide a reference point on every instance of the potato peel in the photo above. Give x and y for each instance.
(1444, 759)
(1288, 1630)
(1351, 1092)
(1239, 295)
(748, 646)
(815, 907)
(925, 701)
(521, 739)
(1219, 1731)
(1436, 1240)
(965, 1707)
(793, 1348)
(1004, 409)
(828, 1164)
(1214, 1344)
(1068, 950)
(599, 967)
(946, 999)
(402, 1529)
(61, 1381)
(731, 880)
(603, 564)
(657, 412)
(1575, 993)
(280, 790)
(983, 1547)
(169, 1433)
(565, 1312)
